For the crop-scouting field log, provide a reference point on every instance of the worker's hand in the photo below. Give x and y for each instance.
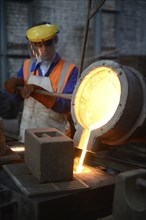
(12, 85)
(27, 90)
(47, 101)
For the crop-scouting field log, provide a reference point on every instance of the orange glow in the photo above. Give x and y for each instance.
(97, 98)
(18, 149)
(96, 101)
(84, 169)
(83, 145)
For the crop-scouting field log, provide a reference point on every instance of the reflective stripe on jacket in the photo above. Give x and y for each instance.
(35, 114)
(58, 76)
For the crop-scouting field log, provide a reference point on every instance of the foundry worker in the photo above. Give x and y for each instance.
(45, 70)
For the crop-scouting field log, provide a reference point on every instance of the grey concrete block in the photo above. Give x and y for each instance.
(49, 154)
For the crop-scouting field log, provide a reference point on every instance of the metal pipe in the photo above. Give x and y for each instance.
(98, 6)
(84, 39)
(89, 16)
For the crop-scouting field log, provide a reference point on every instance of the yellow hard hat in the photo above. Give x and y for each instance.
(42, 32)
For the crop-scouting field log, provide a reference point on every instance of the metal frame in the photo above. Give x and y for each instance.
(3, 43)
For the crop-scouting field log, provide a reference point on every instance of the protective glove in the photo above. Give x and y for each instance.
(12, 84)
(47, 101)
(27, 90)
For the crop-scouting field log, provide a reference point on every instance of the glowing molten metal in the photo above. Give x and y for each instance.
(96, 101)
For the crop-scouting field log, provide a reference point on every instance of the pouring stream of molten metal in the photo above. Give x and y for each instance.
(83, 142)
(96, 102)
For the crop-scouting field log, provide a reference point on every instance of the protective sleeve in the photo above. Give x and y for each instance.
(63, 105)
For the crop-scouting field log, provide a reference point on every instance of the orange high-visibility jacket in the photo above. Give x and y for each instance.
(58, 78)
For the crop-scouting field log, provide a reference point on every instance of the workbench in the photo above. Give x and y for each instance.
(87, 196)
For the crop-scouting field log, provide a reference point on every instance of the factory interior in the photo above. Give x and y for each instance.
(97, 171)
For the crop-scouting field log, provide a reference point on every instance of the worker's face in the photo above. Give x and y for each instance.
(46, 49)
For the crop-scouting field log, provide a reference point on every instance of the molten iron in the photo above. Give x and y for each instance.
(108, 102)
(101, 84)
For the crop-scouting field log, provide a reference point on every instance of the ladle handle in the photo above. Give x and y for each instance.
(54, 94)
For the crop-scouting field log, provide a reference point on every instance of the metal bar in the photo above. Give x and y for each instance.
(84, 39)
(99, 5)
(54, 94)
(60, 95)
(89, 16)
